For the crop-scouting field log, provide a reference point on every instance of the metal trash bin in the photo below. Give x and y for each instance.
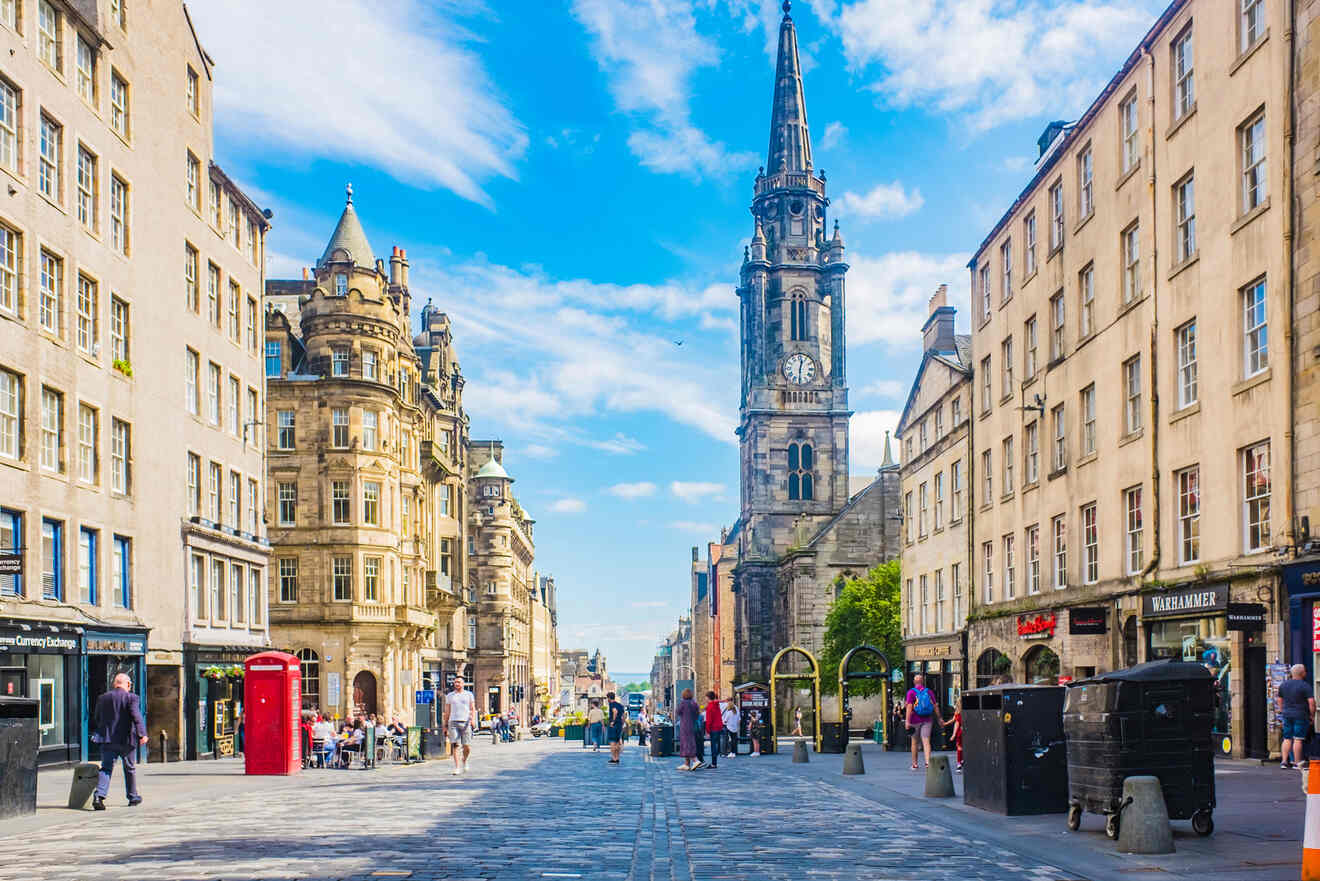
(18, 756)
(833, 737)
(662, 740)
(1015, 757)
(1152, 719)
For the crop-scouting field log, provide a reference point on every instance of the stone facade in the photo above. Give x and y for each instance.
(106, 155)
(545, 645)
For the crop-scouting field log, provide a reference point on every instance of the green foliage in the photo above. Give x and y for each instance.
(122, 366)
(635, 686)
(866, 612)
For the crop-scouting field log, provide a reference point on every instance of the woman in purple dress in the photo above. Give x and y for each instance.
(687, 713)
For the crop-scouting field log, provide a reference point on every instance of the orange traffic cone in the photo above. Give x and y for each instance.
(1311, 837)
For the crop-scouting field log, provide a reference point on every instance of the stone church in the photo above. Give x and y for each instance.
(803, 520)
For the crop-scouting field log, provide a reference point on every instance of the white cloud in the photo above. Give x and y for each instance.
(649, 50)
(632, 490)
(620, 444)
(893, 389)
(867, 447)
(568, 506)
(341, 79)
(991, 61)
(696, 491)
(710, 529)
(888, 201)
(1017, 163)
(538, 451)
(889, 296)
(649, 604)
(835, 132)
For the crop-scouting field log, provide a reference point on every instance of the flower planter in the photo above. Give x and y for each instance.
(574, 732)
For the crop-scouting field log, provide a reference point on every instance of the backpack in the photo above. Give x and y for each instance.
(924, 705)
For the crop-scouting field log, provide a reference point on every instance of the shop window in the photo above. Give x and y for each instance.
(1042, 666)
(992, 668)
(1199, 641)
(309, 667)
(11, 542)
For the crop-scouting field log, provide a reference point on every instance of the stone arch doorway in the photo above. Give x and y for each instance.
(993, 666)
(1130, 641)
(1042, 666)
(364, 693)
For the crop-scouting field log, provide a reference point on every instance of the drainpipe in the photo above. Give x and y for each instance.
(1151, 183)
(1289, 440)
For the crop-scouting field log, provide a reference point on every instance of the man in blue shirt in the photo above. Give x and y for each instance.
(1296, 702)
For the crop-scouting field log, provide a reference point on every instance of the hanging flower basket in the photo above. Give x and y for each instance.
(235, 673)
(215, 673)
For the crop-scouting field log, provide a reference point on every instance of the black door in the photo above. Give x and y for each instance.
(1253, 697)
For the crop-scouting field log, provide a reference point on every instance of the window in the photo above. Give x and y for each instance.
(86, 202)
(797, 307)
(194, 484)
(285, 429)
(10, 257)
(1060, 423)
(1256, 497)
(52, 430)
(1132, 395)
(1132, 548)
(11, 542)
(288, 569)
(191, 368)
(1255, 183)
(1189, 515)
(1033, 559)
(1056, 216)
(925, 604)
(1251, 25)
(801, 461)
(368, 364)
(1032, 459)
(342, 568)
(922, 434)
(213, 490)
(50, 36)
(88, 331)
(1088, 420)
(11, 414)
(907, 517)
(118, 214)
(213, 293)
(1255, 329)
(1010, 569)
(50, 159)
(118, 104)
(255, 592)
(191, 93)
(1006, 265)
(233, 221)
(339, 362)
(190, 276)
(955, 490)
(234, 298)
(1186, 338)
(371, 503)
(251, 229)
(86, 63)
(1090, 545)
(370, 422)
(923, 506)
(1129, 133)
(1085, 181)
(471, 633)
(213, 202)
(339, 428)
(120, 455)
(1184, 212)
(117, 10)
(1184, 87)
(235, 500)
(194, 176)
(87, 443)
(9, 125)
(1029, 341)
(1056, 326)
(987, 479)
(217, 591)
(955, 411)
(939, 600)
(1059, 529)
(119, 329)
(198, 582)
(274, 358)
(1008, 465)
(1131, 263)
(213, 392)
(985, 292)
(988, 574)
(288, 503)
(252, 310)
(9, 13)
(405, 513)
(939, 500)
(939, 422)
(121, 572)
(1029, 248)
(52, 560)
(52, 292)
(955, 575)
(339, 502)
(985, 384)
(232, 406)
(252, 507)
(1006, 365)
(87, 566)
(236, 610)
(371, 578)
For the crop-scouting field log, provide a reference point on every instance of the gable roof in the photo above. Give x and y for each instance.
(958, 360)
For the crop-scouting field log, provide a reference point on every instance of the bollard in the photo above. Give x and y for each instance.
(799, 752)
(1143, 819)
(164, 746)
(84, 784)
(852, 759)
(939, 779)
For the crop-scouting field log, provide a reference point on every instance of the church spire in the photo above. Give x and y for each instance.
(790, 140)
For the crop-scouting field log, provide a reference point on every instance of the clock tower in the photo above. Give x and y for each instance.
(793, 426)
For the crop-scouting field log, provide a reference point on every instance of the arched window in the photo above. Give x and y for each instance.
(992, 667)
(1042, 666)
(309, 669)
(797, 318)
(801, 483)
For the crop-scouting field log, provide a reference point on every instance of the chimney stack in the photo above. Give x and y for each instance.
(304, 273)
(937, 332)
(403, 274)
(396, 262)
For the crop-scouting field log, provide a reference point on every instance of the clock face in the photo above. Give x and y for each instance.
(799, 369)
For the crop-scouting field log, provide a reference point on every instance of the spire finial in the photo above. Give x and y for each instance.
(788, 4)
(348, 191)
(888, 460)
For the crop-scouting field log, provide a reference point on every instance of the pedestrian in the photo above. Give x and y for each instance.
(460, 715)
(754, 732)
(595, 726)
(1296, 702)
(731, 723)
(641, 727)
(797, 722)
(701, 737)
(921, 705)
(687, 715)
(714, 728)
(614, 730)
(120, 730)
(957, 724)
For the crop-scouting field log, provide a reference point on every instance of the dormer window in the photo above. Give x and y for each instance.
(341, 284)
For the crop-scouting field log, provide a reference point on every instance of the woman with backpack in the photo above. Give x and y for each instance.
(921, 706)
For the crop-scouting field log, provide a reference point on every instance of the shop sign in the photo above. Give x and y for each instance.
(928, 652)
(1194, 601)
(1246, 616)
(11, 564)
(754, 697)
(1315, 627)
(114, 644)
(1301, 578)
(38, 640)
(1087, 621)
(1036, 626)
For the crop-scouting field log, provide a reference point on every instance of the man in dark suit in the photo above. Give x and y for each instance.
(120, 730)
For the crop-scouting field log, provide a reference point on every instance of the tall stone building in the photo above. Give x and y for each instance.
(365, 428)
(130, 270)
(545, 644)
(800, 526)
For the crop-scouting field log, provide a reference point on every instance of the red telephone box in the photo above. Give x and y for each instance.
(272, 702)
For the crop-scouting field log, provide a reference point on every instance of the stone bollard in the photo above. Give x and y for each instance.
(939, 779)
(1144, 820)
(84, 784)
(852, 759)
(799, 752)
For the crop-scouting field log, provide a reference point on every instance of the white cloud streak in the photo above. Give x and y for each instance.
(632, 490)
(834, 135)
(867, 447)
(884, 201)
(696, 491)
(568, 506)
(888, 296)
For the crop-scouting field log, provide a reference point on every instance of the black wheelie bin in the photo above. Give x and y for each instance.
(1151, 719)
(1014, 747)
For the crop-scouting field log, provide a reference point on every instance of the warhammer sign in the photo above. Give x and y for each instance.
(1210, 598)
(1036, 626)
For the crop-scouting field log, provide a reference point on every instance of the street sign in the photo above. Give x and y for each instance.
(426, 696)
(11, 564)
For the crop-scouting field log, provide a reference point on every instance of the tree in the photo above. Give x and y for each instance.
(868, 611)
(635, 686)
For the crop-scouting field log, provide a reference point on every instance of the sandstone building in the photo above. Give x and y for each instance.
(131, 463)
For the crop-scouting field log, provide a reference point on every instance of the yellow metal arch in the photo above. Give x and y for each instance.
(813, 678)
(844, 676)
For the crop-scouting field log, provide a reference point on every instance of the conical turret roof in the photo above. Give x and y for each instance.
(790, 140)
(350, 237)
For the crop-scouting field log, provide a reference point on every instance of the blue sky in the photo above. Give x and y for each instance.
(571, 181)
